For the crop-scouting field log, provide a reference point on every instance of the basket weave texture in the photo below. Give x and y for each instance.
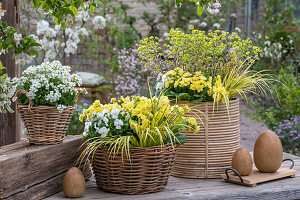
(147, 171)
(45, 124)
(209, 152)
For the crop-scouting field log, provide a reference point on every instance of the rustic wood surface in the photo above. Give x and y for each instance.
(180, 188)
(257, 177)
(35, 172)
(10, 122)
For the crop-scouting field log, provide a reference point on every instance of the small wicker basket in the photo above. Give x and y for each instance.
(44, 124)
(208, 153)
(147, 171)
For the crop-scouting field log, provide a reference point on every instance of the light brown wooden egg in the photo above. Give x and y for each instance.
(74, 183)
(268, 152)
(242, 161)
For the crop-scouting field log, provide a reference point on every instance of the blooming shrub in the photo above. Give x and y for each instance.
(142, 121)
(7, 90)
(225, 58)
(49, 84)
(289, 133)
(131, 76)
(215, 52)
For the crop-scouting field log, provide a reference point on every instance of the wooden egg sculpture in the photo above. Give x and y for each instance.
(242, 161)
(74, 183)
(268, 152)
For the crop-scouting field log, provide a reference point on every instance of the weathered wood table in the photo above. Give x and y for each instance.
(179, 188)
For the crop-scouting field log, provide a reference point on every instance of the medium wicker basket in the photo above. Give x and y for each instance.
(208, 153)
(147, 171)
(44, 124)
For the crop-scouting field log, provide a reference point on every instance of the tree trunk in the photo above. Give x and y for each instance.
(10, 122)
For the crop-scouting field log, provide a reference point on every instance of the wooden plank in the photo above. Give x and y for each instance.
(26, 170)
(10, 122)
(257, 177)
(13, 146)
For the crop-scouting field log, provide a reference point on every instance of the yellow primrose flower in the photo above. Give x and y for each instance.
(96, 103)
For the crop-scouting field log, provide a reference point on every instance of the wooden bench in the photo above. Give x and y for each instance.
(35, 172)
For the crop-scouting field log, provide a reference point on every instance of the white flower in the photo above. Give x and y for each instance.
(118, 123)
(115, 113)
(203, 24)
(2, 14)
(2, 51)
(195, 21)
(83, 15)
(61, 108)
(99, 22)
(217, 5)
(160, 86)
(17, 38)
(164, 78)
(237, 29)
(103, 131)
(216, 25)
(268, 43)
(105, 120)
(166, 34)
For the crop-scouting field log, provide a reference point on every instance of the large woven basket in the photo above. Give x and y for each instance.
(208, 153)
(147, 171)
(45, 124)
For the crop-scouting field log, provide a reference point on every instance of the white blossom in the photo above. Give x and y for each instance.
(17, 38)
(103, 131)
(49, 81)
(118, 123)
(99, 22)
(237, 29)
(2, 14)
(216, 25)
(203, 24)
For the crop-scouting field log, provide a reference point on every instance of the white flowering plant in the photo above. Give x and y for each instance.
(58, 43)
(7, 90)
(132, 76)
(49, 84)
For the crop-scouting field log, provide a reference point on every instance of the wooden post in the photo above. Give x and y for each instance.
(10, 122)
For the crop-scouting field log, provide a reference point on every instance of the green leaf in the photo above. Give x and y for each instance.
(199, 10)
(197, 100)
(181, 139)
(74, 10)
(92, 8)
(64, 25)
(56, 20)
(8, 108)
(183, 96)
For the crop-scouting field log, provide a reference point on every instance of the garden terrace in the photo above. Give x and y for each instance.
(194, 189)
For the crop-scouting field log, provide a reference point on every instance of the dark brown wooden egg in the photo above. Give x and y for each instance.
(74, 183)
(268, 152)
(242, 161)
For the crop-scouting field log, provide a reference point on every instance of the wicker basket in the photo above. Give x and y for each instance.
(208, 153)
(44, 124)
(147, 171)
